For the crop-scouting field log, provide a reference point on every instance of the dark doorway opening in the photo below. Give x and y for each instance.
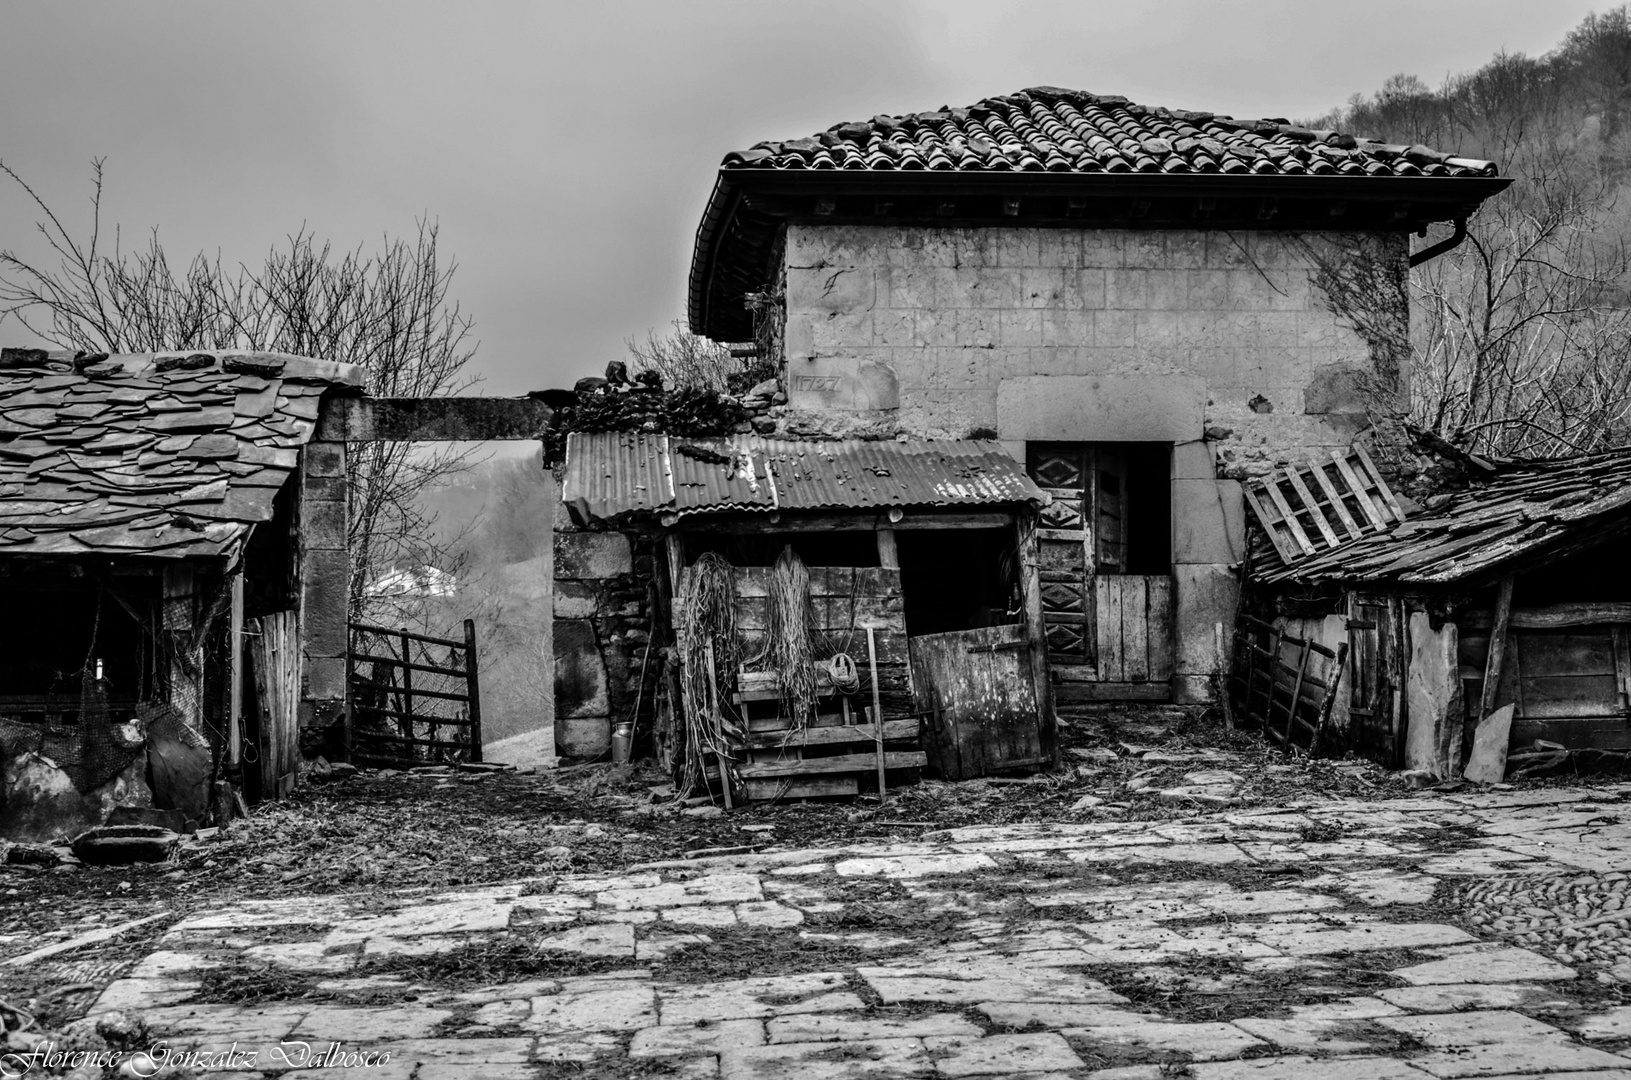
(958, 579)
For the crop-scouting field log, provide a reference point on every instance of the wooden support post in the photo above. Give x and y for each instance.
(877, 704)
(719, 756)
(1329, 703)
(1296, 692)
(1497, 648)
(472, 688)
(404, 723)
(1036, 635)
(235, 672)
(888, 553)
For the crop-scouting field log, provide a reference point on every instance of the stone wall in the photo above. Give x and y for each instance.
(602, 608)
(1240, 348)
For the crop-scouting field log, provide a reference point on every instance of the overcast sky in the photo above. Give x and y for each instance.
(567, 148)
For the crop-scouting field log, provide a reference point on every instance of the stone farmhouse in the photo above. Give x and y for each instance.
(1144, 306)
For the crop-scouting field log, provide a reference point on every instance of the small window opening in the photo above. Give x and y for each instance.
(958, 579)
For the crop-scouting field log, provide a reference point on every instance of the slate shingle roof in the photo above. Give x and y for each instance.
(169, 455)
(1526, 511)
(1046, 129)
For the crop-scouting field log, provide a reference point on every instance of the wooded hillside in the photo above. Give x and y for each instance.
(1521, 334)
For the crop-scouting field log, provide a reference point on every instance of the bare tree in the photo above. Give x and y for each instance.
(388, 312)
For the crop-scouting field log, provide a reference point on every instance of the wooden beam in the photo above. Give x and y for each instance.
(1497, 647)
(235, 671)
(826, 736)
(435, 419)
(1036, 633)
(1553, 617)
(843, 763)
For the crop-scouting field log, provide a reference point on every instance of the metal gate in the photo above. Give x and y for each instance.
(414, 698)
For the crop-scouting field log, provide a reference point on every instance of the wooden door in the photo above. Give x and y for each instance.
(977, 691)
(1109, 633)
(1375, 680)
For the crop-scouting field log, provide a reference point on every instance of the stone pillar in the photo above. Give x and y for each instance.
(599, 614)
(325, 580)
(1208, 539)
(1434, 711)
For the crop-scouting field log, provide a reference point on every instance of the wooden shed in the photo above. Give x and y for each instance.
(918, 577)
(1512, 592)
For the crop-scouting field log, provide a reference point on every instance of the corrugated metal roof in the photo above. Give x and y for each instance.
(1524, 511)
(613, 473)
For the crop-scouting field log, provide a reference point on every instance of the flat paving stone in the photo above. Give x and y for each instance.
(1485, 964)
(828, 1027)
(1058, 1015)
(966, 1055)
(1305, 1068)
(622, 1008)
(354, 1026)
(1612, 1024)
(752, 998)
(768, 913)
(700, 915)
(1452, 997)
(975, 983)
(1203, 1042)
(1305, 1033)
(577, 1046)
(682, 1040)
(710, 889)
(1268, 902)
(1382, 888)
(1298, 941)
(1483, 1027)
(454, 1052)
(1521, 1059)
(915, 866)
(827, 1061)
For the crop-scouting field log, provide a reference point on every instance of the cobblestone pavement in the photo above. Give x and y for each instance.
(1444, 935)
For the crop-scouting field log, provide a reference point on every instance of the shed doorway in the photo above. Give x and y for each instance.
(1105, 546)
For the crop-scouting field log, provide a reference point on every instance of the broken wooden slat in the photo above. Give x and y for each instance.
(1382, 489)
(1280, 538)
(1314, 511)
(1497, 648)
(1357, 489)
(1335, 500)
(1290, 517)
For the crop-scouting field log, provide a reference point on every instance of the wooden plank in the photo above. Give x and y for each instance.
(1382, 490)
(1551, 617)
(236, 673)
(1135, 629)
(1622, 663)
(759, 523)
(830, 736)
(888, 550)
(1161, 644)
(1070, 536)
(1036, 633)
(1080, 692)
(1305, 545)
(1582, 732)
(1357, 488)
(1566, 653)
(1487, 762)
(839, 763)
(793, 788)
(1338, 507)
(1497, 650)
(1108, 594)
(1553, 697)
(1314, 511)
(1280, 538)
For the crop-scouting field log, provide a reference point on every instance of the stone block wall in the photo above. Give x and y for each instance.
(1242, 349)
(602, 625)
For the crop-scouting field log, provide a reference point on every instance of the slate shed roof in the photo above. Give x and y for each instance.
(609, 474)
(164, 455)
(1051, 155)
(1524, 513)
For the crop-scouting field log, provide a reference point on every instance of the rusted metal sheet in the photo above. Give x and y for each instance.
(1526, 510)
(614, 473)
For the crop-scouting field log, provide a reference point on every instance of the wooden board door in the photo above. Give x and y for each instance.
(1109, 633)
(977, 691)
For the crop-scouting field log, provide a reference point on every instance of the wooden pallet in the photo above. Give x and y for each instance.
(1319, 505)
(829, 756)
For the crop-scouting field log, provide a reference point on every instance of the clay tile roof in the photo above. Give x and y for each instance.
(1524, 512)
(170, 455)
(1049, 129)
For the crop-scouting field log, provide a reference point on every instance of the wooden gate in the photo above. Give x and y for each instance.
(414, 698)
(977, 691)
(1375, 694)
(1109, 633)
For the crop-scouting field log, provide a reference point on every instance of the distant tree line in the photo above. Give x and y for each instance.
(1522, 334)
